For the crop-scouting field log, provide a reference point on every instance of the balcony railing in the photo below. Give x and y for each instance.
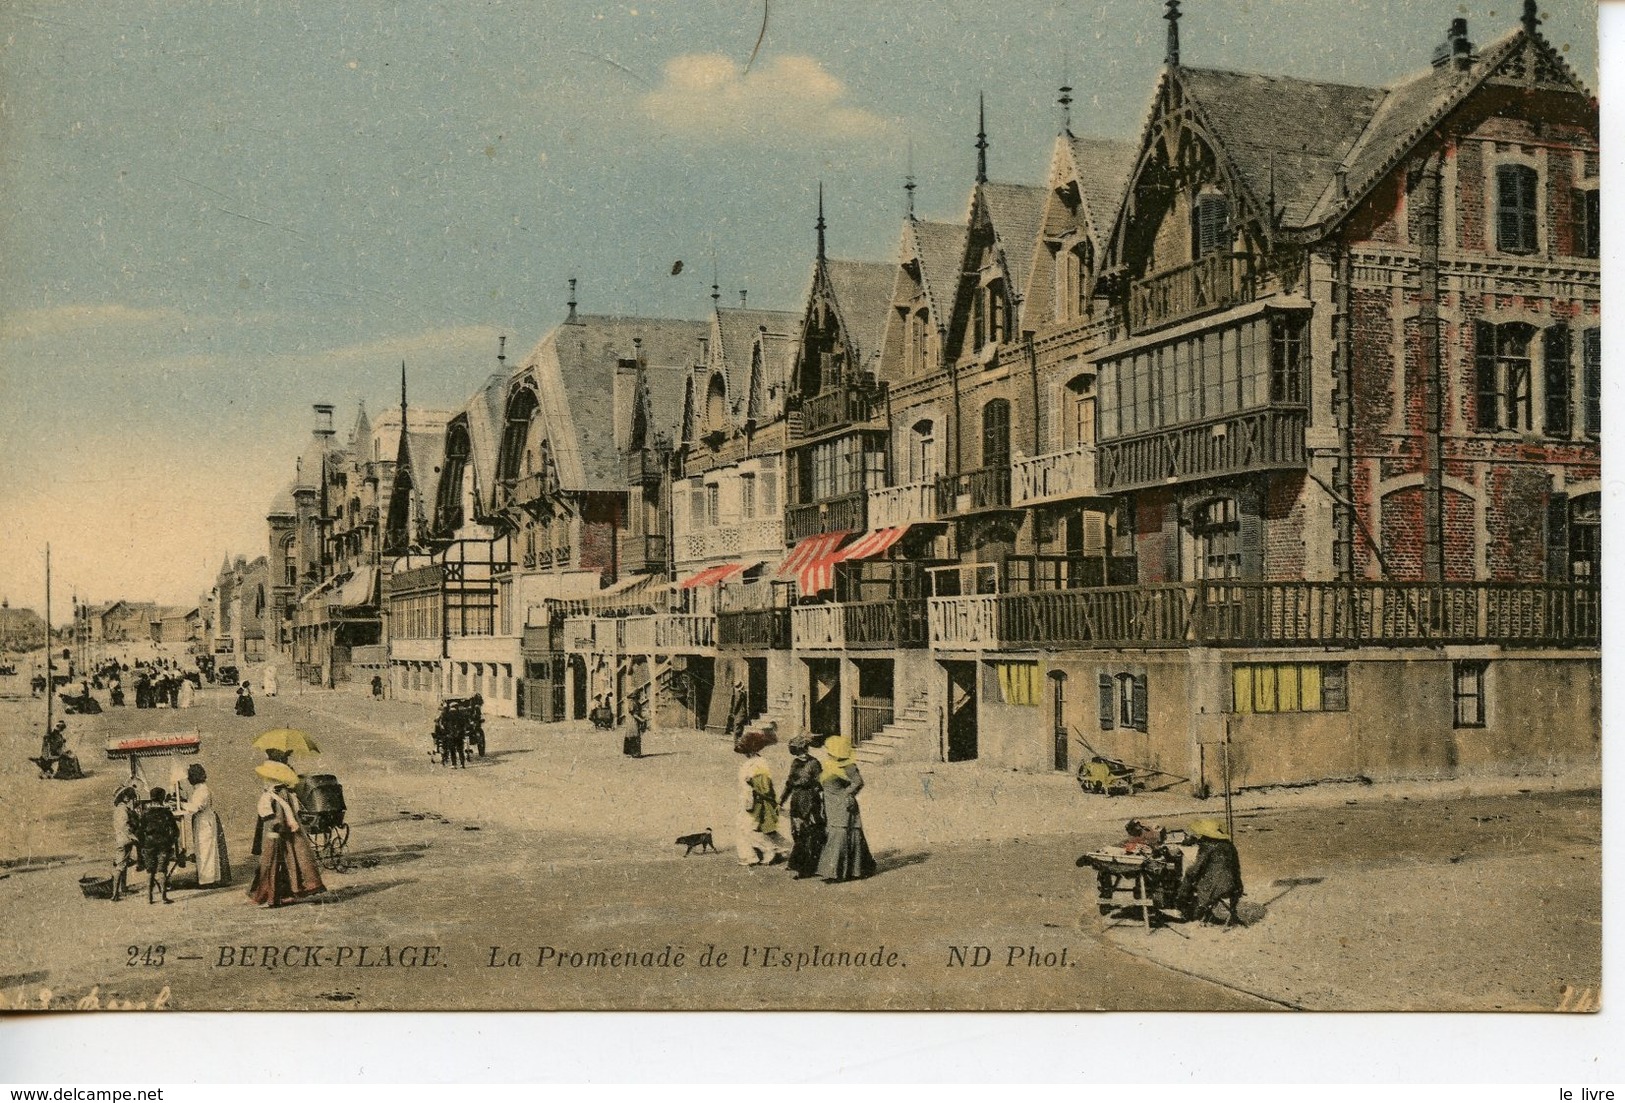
(1275, 614)
(861, 624)
(1054, 477)
(645, 553)
(759, 534)
(1217, 281)
(753, 629)
(869, 718)
(971, 491)
(855, 402)
(1234, 444)
(643, 467)
(843, 514)
(911, 503)
(530, 488)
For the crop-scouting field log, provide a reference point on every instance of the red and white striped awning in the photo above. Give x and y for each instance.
(870, 544)
(811, 564)
(711, 575)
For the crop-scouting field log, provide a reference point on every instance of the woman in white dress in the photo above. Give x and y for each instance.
(208, 836)
(268, 681)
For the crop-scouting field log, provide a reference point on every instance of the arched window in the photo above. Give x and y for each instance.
(290, 562)
(716, 405)
(998, 313)
(1078, 426)
(996, 434)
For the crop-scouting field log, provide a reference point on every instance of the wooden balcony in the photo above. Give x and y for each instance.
(644, 554)
(964, 623)
(529, 489)
(1216, 282)
(854, 402)
(666, 632)
(763, 535)
(860, 625)
(754, 629)
(1053, 477)
(973, 491)
(1300, 614)
(1234, 444)
(844, 514)
(643, 468)
(909, 504)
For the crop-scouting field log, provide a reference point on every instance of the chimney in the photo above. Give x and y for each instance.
(1456, 50)
(324, 421)
(742, 296)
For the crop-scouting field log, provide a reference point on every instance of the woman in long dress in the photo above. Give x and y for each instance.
(759, 842)
(287, 869)
(804, 798)
(208, 836)
(846, 854)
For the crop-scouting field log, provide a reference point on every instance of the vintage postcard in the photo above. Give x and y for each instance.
(736, 505)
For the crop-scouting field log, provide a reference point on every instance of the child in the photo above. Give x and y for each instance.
(125, 825)
(160, 838)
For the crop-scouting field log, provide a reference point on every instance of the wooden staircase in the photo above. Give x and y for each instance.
(910, 737)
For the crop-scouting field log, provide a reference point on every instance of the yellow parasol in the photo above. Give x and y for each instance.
(289, 740)
(277, 772)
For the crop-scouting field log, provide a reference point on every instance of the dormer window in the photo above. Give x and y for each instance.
(1210, 223)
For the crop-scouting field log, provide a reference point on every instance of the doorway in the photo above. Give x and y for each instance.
(824, 696)
(756, 685)
(962, 742)
(578, 687)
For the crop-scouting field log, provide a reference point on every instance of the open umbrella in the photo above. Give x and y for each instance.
(277, 772)
(289, 740)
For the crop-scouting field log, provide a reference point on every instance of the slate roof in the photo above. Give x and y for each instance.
(485, 410)
(574, 369)
(862, 291)
(425, 453)
(1287, 130)
(734, 333)
(1017, 214)
(940, 248)
(1101, 167)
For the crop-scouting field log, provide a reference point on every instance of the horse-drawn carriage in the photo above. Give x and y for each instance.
(461, 723)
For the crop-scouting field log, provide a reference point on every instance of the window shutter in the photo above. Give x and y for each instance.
(1557, 370)
(1139, 703)
(1487, 394)
(1108, 703)
(1593, 380)
(1557, 537)
(1528, 181)
(1251, 538)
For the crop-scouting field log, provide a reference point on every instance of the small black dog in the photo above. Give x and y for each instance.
(700, 840)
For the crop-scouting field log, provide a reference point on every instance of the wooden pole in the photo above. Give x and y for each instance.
(1229, 811)
(50, 681)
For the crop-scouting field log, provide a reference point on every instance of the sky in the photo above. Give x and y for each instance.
(220, 212)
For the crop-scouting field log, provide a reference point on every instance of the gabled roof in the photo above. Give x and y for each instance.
(940, 249)
(1282, 135)
(1016, 212)
(574, 370)
(485, 420)
(734, 332)
(862, 292)
(1412, 108)
(1101, 167)
(424, 453)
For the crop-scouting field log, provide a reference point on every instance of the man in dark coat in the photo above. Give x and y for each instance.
(738, 711)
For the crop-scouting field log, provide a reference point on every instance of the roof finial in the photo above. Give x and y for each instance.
(403, 396)
(1531, 18)
(820, 220)
(572, 316)
(716, 285)
(908, 181)
(1066, 108)
(981, 138)
(1172, 16)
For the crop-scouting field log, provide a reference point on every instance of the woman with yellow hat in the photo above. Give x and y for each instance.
(846, 854)
(287, 870)
(1214, 875)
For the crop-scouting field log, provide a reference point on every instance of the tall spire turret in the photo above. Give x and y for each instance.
(981, 138)
(1172, 16)
(820, 220)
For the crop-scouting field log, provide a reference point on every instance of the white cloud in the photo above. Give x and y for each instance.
(783, 99)
(54, 321)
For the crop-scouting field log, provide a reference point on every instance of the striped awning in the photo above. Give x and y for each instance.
(870, 545)
(711, 575)
(811, 564)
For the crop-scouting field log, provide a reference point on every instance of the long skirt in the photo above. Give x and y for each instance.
(807, 835)
(846, 854)
(209, 849)
(287, 871)
(758, 848)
